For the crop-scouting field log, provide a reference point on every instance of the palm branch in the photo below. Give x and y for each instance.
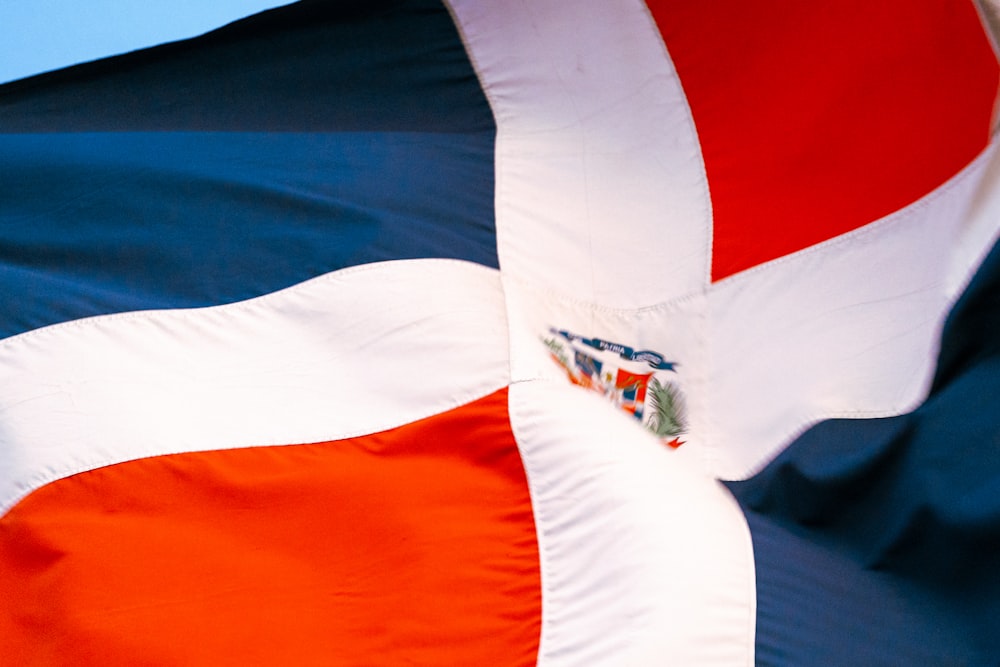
(668, 416)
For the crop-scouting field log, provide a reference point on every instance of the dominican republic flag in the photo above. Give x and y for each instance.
(277, 382)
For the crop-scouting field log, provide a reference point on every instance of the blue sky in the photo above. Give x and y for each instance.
(42, 35)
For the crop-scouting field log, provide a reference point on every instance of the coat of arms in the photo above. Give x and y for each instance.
(640, 382)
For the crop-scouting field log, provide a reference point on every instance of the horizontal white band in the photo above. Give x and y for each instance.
(349, 353)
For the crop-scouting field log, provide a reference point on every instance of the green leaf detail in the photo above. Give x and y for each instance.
(668, 416)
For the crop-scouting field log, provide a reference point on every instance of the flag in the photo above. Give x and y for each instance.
(290, 312)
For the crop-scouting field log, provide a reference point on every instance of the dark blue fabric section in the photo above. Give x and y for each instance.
(311, 66)
(98, 223)
(877, 542)
(299, 141)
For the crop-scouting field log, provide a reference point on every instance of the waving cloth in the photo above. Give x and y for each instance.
(408, 333)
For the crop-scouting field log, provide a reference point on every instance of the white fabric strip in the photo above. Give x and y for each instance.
(645, 561)
(349, 353)
(601, 191)
(848, 328)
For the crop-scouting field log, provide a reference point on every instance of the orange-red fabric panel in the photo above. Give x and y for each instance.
(415, 546)
(816, 118)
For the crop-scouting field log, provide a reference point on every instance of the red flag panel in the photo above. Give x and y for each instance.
(818, 118)
(273, 550)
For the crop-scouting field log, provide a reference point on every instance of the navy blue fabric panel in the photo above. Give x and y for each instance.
(319, 65)
(299, 141)
(108, 222)
(877, 541)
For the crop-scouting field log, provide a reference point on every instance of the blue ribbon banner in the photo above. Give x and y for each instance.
(654, 359)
